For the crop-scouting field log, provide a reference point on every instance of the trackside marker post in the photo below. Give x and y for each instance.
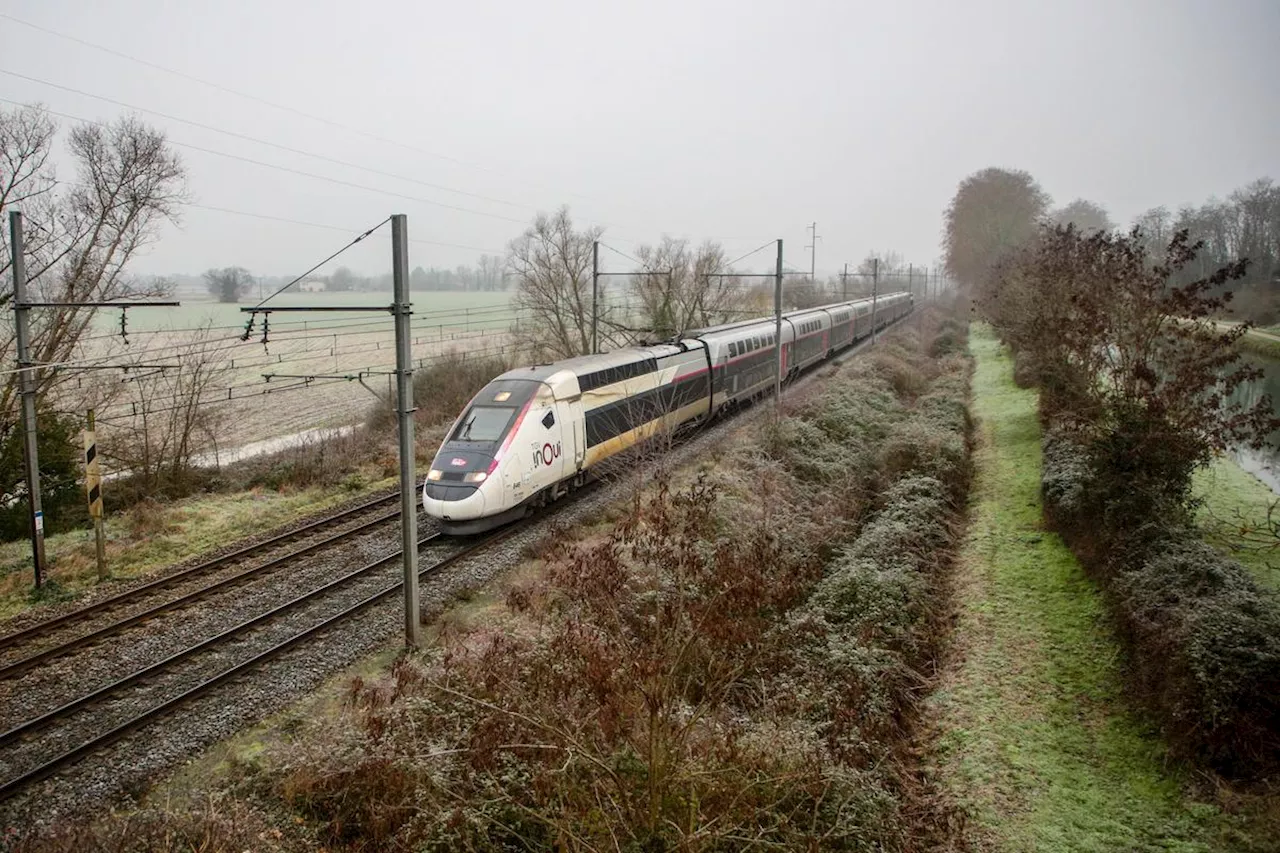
(93, 490)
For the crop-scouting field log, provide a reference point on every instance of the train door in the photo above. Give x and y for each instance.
(544, 438)
(573, 434)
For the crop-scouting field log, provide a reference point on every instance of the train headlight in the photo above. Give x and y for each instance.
(434, 475)
(476, 477)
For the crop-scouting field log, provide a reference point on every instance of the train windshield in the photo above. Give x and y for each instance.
(483, 423)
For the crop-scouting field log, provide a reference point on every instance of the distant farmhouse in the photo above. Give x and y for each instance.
(312, 285)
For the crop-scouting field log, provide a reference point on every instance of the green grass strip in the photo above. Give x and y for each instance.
(1233, 515)
(1034, 737)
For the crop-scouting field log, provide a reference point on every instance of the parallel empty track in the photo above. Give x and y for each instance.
(39, 643)
(42, 745)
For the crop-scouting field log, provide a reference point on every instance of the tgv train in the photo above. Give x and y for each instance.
(533, 433)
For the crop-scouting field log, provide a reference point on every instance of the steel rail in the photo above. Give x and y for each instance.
(48, 768)
(24, 664)
(137, 592)
(45, 769)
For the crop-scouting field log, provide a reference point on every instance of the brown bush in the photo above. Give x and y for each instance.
(221, 825)
(1203, 638)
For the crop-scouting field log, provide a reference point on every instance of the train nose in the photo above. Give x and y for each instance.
(454, 486)
(452, 501)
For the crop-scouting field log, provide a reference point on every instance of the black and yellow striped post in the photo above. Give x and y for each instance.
(93, 487)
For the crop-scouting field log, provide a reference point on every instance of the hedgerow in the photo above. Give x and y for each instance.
(1136, 388)
(1202, 636)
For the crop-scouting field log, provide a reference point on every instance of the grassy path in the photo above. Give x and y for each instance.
(1034, 738)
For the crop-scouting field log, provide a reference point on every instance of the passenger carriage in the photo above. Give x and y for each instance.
(534, 433)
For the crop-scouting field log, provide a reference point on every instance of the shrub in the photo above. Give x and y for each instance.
(1065, 479)
(923, 449)
(716, 672)
(221, 824)
(62, 493)
(1202, 637)
(1206, 649)
(951, 338)
(866, 630)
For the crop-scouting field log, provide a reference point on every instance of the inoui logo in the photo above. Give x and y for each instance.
(545, 455)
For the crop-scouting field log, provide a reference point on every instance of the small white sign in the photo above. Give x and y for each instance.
(40, 522)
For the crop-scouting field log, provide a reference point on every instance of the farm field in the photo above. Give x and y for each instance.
(314, 369)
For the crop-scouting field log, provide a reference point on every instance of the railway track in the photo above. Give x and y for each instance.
(89, 723)
(39, 643)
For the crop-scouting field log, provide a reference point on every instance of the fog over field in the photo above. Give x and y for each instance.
(716, 120)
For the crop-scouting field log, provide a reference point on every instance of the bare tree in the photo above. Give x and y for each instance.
(341, 280)
(171, 418)
(1155, 229)
(683, 288)
(80, 235)
(552, 265)
(1086, 216)
(993, 213)
(883, 264)
(230, 283)
(490, 272)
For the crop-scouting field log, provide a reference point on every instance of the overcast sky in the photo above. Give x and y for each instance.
(735, 121)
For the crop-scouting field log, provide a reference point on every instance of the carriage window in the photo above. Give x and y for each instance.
(550, 420)
(733, 349)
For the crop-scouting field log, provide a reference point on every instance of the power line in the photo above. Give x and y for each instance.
(299, 172)
(749, 254)
(265, 142)
(332, 227)
(256, 99)
(623, 254)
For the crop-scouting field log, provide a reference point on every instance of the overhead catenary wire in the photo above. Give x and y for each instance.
(290, 284)
(269, 217)
(752, 252)
(212, 346)
(621, 253)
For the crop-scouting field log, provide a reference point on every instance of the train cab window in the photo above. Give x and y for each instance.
(483, 423)
(733, 350)
(550, 420)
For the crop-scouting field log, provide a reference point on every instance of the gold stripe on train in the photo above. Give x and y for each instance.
(619, 443)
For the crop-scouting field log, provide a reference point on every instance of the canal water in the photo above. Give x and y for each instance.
(1263, 464)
